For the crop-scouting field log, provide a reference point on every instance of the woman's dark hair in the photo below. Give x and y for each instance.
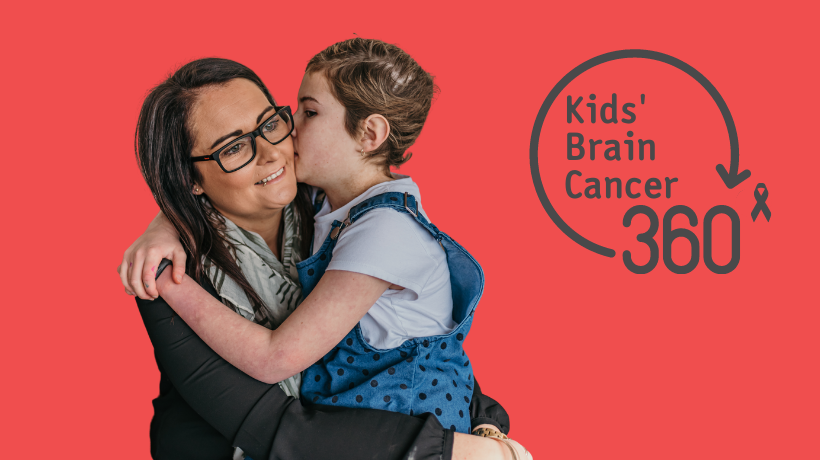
(163, 143)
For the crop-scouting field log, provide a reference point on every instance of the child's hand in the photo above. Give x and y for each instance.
(140, 261)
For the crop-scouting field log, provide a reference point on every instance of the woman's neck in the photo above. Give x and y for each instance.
(343, 192)
(267, 225)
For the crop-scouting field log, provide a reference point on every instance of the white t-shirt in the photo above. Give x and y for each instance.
(392, 246)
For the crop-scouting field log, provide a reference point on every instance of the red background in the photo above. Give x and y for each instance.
(590, 360)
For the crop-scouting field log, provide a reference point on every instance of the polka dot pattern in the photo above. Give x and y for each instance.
(393, 379)
(412, 378)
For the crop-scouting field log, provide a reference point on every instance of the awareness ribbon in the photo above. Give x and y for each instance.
(760, 206)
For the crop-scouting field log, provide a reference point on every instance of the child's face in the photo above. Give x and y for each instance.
(325, 153)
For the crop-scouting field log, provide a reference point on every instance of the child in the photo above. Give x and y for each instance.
(406, 353)
(377, 261)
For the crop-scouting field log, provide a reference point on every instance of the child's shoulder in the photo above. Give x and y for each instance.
(400, 184)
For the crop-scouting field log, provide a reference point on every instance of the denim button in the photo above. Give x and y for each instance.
(310, 272)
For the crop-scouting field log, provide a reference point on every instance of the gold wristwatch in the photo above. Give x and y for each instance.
(501, 437)
(489, 433)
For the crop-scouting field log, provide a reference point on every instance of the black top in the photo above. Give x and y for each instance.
(206, 406)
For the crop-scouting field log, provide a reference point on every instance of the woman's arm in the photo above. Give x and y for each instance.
(485, 411)
(338, 302)
(265, 423)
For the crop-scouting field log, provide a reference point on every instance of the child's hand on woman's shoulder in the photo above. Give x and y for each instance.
(140, 261)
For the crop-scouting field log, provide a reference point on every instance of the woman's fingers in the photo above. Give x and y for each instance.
(178, 259)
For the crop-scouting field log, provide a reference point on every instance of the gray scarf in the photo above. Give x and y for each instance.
(276, 283)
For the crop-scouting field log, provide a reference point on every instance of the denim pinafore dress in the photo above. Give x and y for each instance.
(426, 374)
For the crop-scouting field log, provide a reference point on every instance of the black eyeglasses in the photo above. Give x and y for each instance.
(242, 150)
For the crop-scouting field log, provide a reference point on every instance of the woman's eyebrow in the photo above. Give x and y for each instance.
(219, 141)
(259, 118)
(239, 131)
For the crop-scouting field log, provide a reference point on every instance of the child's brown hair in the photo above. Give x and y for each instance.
(373, 77)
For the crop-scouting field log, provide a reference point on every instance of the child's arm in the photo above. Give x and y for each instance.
(141, 259)
(337, 303)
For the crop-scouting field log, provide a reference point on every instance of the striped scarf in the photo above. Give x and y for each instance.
(277, 283)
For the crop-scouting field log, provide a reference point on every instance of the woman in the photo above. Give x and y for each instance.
(256, 215)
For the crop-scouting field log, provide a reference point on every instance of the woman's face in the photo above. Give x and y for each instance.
(325, 152)
(220, 115)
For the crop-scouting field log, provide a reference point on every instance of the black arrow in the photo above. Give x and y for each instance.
(731, 178)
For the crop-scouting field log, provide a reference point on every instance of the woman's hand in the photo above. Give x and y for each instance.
(523, 454)
(140, 261)
(469, 447)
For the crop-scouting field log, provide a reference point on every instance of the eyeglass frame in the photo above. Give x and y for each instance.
(252, 136)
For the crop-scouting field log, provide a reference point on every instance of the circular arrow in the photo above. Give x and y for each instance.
(731, 177)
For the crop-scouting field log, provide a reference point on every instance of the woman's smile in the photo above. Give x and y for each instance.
(273, 178)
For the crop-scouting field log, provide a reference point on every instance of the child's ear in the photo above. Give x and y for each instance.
(375, 129)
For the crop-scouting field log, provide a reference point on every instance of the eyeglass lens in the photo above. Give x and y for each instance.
(239, 152)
